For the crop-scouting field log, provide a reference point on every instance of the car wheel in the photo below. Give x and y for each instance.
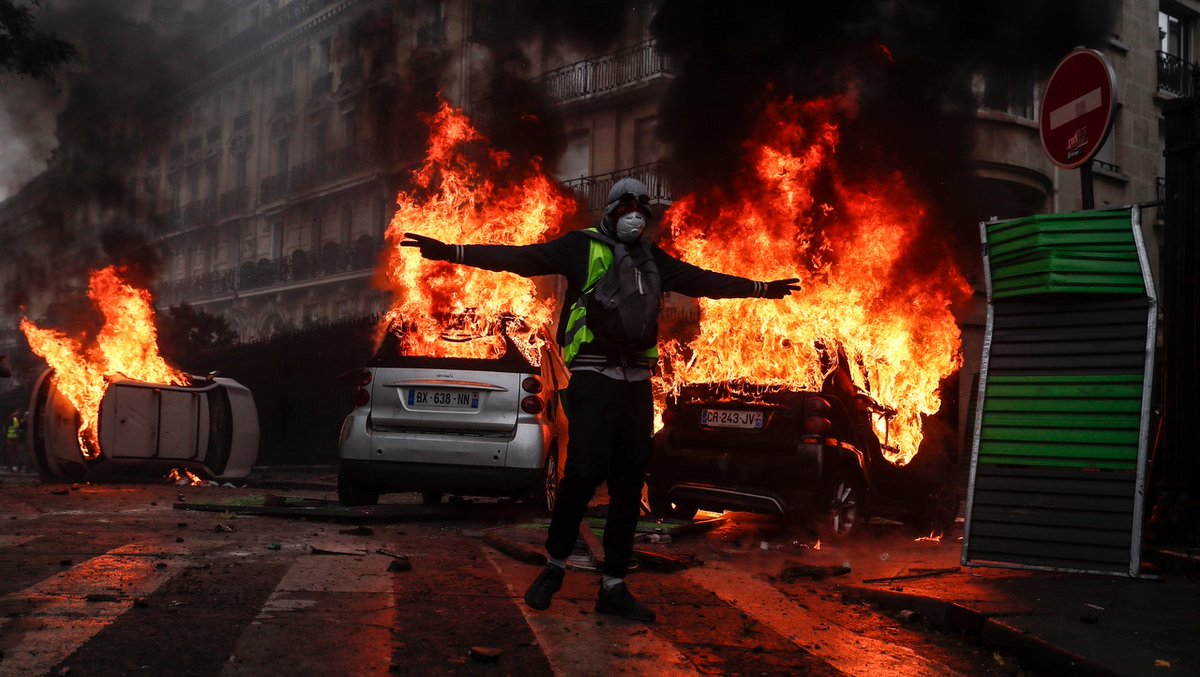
(352, 492)
(431, 497)
(841, 508)
(549, 484)
(661, 506)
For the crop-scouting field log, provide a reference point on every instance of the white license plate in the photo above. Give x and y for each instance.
(430, 398)
(726, 418)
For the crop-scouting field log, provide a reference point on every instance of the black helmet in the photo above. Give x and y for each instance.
(628, 190)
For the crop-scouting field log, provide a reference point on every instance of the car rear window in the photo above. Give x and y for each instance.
(389, 355)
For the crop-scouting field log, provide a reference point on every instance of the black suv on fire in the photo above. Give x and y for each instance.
(805, 453)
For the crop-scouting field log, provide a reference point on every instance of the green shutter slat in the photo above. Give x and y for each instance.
(1065, 421)
(1055, 435)
(1082, 406)
(1011, 448)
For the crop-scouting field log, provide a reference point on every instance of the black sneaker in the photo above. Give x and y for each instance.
(618, 602)
(544, 586)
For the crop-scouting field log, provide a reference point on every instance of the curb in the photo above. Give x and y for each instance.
(1032, 652)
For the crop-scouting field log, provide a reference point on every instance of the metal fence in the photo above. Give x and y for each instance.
(1175, 75)
(594, 189)
(605, 74)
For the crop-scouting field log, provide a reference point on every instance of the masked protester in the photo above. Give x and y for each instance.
(608, 331)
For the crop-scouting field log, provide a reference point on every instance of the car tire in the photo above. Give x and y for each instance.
(352, 492)
(548, 487)
(661, 506)
(840, 510)
(431, 497)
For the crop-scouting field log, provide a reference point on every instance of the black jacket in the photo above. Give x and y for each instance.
(568, 256)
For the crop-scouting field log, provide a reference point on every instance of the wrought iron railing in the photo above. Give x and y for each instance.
(594, 189)
(1107, 166)
(200, 212)
(325, 169)
(605, 74)
(300, 265)
(1175, 74)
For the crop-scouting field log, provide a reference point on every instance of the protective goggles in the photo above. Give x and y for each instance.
(629, 201)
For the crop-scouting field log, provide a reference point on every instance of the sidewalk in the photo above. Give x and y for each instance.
(1052, 623)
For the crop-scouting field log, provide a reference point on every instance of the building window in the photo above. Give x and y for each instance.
(577, 159)
(1174, 53)
(193, 175)
(347, 223)
(239, 171)
(1005, 93)
(320, 134)
(646, 148)
(350, 129)
(322, 56)
(281, 156)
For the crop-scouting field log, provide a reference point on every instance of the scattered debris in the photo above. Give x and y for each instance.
(522, 552)
(793, 571)
(595, 548)
(485, 654)
(335, 549)
(61, 492)
(357, 531)
(1160, 663)
(273, 546)
(221, 526)
(273, 501)
(101, 597)
(908, 616)
(914, 573)
(400, 564)
(660, 561)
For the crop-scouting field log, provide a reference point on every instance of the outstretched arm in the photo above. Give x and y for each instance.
(548, 258)
(680, 276)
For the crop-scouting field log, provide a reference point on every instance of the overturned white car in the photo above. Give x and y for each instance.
(147, 429)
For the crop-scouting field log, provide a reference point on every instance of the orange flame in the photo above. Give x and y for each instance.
(847, 243)
(444, 310)
(186, 478)
(933, 537)
(126, 347)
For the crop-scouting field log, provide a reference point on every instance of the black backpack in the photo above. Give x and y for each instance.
(623, 306)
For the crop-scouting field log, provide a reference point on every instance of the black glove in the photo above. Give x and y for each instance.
(778, 289)
(431, 249)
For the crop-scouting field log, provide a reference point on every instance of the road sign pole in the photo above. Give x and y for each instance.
(1085, 185)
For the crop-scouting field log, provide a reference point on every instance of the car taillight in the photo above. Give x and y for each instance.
(817, 425)
(361, 397)
(816, 405)
(364, 377)
(531, 384)
(532, 405)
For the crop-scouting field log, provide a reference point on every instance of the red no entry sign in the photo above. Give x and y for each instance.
(1077, 108)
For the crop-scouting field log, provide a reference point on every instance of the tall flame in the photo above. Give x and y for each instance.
(126, 346)
(796, 213)
(458, 199)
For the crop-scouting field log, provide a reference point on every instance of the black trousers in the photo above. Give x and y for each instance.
(610, 424)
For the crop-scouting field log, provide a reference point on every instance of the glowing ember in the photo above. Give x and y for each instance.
(185, 478)
(796, 213)
(126, 347)
(933, 537)
(443, 310)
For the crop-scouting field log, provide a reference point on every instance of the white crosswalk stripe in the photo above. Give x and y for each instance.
(842, 647)
(575, 645)
(330, 614)
(61, 613)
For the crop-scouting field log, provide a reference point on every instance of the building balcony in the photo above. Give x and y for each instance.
(327, 169)
(594, 189)
(605, 75)
(1175, 75)
(300, 266)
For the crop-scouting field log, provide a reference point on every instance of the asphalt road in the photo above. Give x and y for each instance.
(120, 580)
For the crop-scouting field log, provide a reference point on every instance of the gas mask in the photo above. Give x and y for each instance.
(630, 227)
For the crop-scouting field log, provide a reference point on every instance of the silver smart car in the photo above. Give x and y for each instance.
(467, 427)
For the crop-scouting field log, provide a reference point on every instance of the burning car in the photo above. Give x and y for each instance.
(813, 454)
(209, 427)
(467, 426)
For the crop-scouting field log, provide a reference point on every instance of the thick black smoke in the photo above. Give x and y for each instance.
(913, 62)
